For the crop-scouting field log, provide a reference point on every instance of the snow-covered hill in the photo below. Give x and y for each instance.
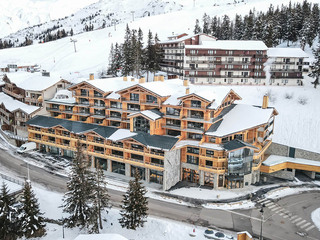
(297, 125)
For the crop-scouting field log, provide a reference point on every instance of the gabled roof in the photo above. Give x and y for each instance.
(237, 144)
(239, 118)
(152, 114)
(156, 141)
(177, 40)
(13, 105)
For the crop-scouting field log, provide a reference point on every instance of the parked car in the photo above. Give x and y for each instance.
(211, 234)
(27, 147)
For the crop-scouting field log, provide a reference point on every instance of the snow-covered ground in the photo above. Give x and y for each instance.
(315, 216)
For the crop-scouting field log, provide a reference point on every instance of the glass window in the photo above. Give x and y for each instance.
(141, 124)
(134, 97)
(151, 99)
(192, 160)
(193, 150)
(156, 176)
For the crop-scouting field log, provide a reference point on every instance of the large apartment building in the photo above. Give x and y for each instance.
(204, 60)
(169, 130)
(285, 66)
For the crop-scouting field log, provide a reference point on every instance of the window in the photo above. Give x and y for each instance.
(151, 99)
(194, 136)
(195, 103)
(192, 160)
(245, 60)
(209, 163)
(117, 105)
(193, 150)
(210, 52)
(141, 124)
(134, 97)
(209, 152)
(173, 111)
(173, 122)
(245, 66)
(134, 107)
(230, 59)
(245, 74)
(156, 176)
(157, 161)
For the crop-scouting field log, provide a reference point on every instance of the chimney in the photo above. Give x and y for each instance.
(265, 101)
(132, 79)
(125, 79)
(142, 80)
(161, 78)
(185, 83)
(187, 91)
(155, 78)
(91, 76)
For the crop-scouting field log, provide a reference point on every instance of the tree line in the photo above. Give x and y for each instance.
(133, 58)
(292, 23)
(84, 203)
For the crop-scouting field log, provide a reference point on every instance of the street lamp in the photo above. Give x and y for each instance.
(262, 218)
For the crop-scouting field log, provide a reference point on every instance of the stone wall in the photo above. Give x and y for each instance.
(283, 150)
(171, 174)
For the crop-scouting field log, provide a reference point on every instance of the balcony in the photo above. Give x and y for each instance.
(194, 106)
(99, 106)
(174, 127)
(15, 95)
(84, 104)
(85, 114)
(194, 129)
(151, 103)
(53, 109)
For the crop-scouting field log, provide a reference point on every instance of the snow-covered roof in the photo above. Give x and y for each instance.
(194, 143)
(63, 96)
(177, 40)
(275, 160)
(239, 118)
(230, 45)
(112, 84)
(33, 81)
(109, 236)
(287, 52)
(121, 134)
(13, 105)
(151, 114)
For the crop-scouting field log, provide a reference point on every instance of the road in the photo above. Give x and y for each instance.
(276, 226)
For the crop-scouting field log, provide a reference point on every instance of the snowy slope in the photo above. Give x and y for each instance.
(17, 14)
(297, 125)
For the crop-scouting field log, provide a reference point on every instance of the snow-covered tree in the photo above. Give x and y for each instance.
(149, 55)
(9, 222)
(127, 56)
(197, 28)
(134, 205)
(315, 68)
(206, 23)
(100, 193)
(77, 200)
(31, 220)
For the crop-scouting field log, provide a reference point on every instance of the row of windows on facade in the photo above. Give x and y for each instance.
(229, 52)
(230, 60)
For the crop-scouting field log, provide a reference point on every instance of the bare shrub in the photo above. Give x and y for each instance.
(303, 100)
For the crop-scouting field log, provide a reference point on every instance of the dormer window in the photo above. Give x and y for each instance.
(151, 99)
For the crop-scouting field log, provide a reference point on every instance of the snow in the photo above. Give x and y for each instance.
(121, 134)
(33, 81)
(287, 52)
(12, 187)
(194, 143)
(109, 236)
(147, 113)
(315, 216)
(112, 84)
(230, 45)
(13, 105)
(240, 118)
(275, 159)
(63, 96)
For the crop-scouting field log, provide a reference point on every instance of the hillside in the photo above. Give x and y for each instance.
(297, 125)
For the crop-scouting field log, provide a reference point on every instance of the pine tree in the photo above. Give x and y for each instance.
(197, 28)
(134, 205)
(139, 63)
(101, 197)
(77, 200)
(225, 28)
(149, 55)
(32, 222)
(238, 28)
(10, 224)
(206, 23)
(127, 64)
(315, 68)
(157, 54)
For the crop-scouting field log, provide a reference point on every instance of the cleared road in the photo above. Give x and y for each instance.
(275, 227)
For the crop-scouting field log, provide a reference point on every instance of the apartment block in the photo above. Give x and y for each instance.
(170, 130)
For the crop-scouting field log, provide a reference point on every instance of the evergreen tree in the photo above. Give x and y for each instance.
(127, 64)
(101, 197)
(225, 28)
(10, 224)
(149, 55)
(315, 68)
(157, 54)
(248, 26)
(32, 222)
(206, 24)
(134, 205)
(111, 69)
(77, 200)
(238, 28)
(197, 28)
